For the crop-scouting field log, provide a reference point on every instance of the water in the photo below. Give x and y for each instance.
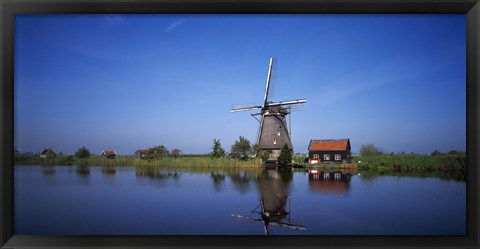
(71, 200)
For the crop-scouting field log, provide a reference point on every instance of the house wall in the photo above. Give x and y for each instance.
(344, 154)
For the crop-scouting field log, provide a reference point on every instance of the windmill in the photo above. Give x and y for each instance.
(273, 133)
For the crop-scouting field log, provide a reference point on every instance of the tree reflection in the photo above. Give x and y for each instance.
(241, 181)
(156, 173)
(83, 171)
(218, 180)
(274, 189)
(48, 171)
(109, 171)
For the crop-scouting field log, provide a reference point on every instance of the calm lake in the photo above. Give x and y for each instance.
(73, 200)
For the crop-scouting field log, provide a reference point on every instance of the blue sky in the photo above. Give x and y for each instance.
(125, 82)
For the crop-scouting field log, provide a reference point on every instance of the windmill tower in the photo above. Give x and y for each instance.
(273, 133)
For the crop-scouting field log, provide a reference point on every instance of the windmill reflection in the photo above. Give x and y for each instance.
(274, 188)
(329, 181)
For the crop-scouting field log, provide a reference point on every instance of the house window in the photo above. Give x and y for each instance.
(326, 157)
(338, 176)
(274, 141)
(338, 157)
(326, 176)
(316, 156)
(278, 133)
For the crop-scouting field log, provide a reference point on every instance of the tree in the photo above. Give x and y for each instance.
(217, 150)
(83, 152)
(285, 157)
(256, 149)
(242, 147)
(175, 152)
(157, 152)
(436, 153)
(370, 150)
(453, 152)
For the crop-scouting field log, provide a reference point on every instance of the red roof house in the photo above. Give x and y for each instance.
(329, 150)
(108, 154)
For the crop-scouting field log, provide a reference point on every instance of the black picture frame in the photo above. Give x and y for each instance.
(8, 9)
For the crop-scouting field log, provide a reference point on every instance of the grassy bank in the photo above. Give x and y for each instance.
(444, 166)
(188, 161)
(412, 162)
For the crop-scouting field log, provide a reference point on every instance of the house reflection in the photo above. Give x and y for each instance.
(274, 189)
(329, 181)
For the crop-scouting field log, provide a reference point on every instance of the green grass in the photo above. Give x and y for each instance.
(413, 162)
(448, 166)
(188, 161)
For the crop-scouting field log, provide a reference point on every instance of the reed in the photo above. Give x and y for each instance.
(188, 161)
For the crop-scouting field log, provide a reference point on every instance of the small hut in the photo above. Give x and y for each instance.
(47, 153)
(108, 154)
(141, 153)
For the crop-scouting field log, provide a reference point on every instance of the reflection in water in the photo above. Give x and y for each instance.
(408, 206)
(332, 182)
(274, 188)
(218, 180)
(83, 171)
(156, 173)
(109, 171)
(48, 171)
(241, 181)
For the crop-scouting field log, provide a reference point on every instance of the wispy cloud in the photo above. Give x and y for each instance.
(175, 24)
(113, 20)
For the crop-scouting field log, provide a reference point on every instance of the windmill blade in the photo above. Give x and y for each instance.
(245, 107)
(267, 86)
(288, 102)
(246, 217)
(278, 224)
(259, 134)
(273, 79)
(294, 108)
(288, 225)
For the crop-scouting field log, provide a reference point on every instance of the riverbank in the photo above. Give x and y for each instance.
(179, 161)
(445, 166)
(412, 162)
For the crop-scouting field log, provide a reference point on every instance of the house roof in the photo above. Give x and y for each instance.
(109, 153)
(45, 151)
(329, 144)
